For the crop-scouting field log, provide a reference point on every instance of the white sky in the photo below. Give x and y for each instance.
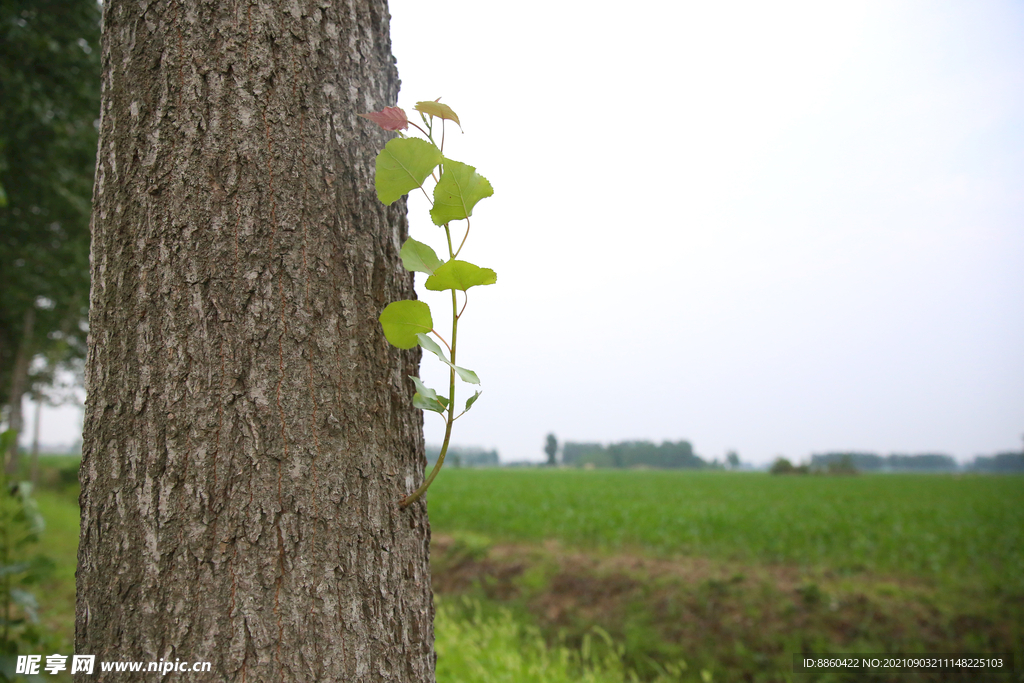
(780, 228)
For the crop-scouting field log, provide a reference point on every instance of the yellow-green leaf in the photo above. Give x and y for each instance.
(441, 111)
(419, 257)
(402, 166)
(460, 275)
(403, 320)
(457, 192)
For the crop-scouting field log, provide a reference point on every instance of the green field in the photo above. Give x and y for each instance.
(689, 576)
(724, 576)
(967, 529)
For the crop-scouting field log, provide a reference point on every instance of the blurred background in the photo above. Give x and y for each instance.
(730, 238)
(772, 229)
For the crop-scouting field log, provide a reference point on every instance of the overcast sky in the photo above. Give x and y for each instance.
(779, 228)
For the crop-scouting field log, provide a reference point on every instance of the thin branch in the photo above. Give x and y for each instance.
(463, 238)
(434, 332)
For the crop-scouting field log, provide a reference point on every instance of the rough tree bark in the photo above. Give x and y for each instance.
(248, 430)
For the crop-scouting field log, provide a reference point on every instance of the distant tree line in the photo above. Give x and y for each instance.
(463, 456)
(680, 455)
(841, 465)
(925, 462)
(669, 455)
(1000, 463)
(871, 462)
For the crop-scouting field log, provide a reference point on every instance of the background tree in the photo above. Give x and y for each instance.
(248, 430)
(551, 448)
(49, 101)
(668, 454)
(733, 459)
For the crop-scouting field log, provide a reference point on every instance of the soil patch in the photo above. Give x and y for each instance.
(741, 620)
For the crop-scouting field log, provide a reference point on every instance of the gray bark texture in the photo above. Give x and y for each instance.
(248, 430)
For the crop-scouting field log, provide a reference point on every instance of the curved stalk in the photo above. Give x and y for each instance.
(415, 495)
(463, 239)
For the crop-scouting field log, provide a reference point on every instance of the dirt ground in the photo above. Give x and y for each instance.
(743, 621)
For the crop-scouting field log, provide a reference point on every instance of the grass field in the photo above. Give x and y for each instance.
(967, 530)
(726, 575)
(569, 575)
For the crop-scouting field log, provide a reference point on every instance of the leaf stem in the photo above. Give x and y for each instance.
(415, 495)
(442, 340)
(463, 239)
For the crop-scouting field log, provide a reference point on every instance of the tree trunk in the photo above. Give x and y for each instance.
(19, 384)
(248, 430)
(34, 458)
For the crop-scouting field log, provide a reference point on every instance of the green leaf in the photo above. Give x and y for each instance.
(428, 393)
(460, 275)
(472, 399)
(457, 192)
(423, 403)
(419, 257)
(402, 166)
(441, 111)
(422, 388)
(467, 376)
(430, 345)
(403, 320)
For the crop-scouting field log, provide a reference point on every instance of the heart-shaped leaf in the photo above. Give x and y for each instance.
(419, 257)
(441, 111)
(460, 275)
(457, 192)
(402, 166)
(403, 320)
(389, 118)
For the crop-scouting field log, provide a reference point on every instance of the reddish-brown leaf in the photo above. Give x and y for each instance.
(389, 118)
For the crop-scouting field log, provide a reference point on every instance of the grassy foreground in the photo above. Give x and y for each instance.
(561, 576)
(726, 575)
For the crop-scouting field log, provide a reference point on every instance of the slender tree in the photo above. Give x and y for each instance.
(733, 459)
(49, 102)
(551, 448)
(248, 430)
